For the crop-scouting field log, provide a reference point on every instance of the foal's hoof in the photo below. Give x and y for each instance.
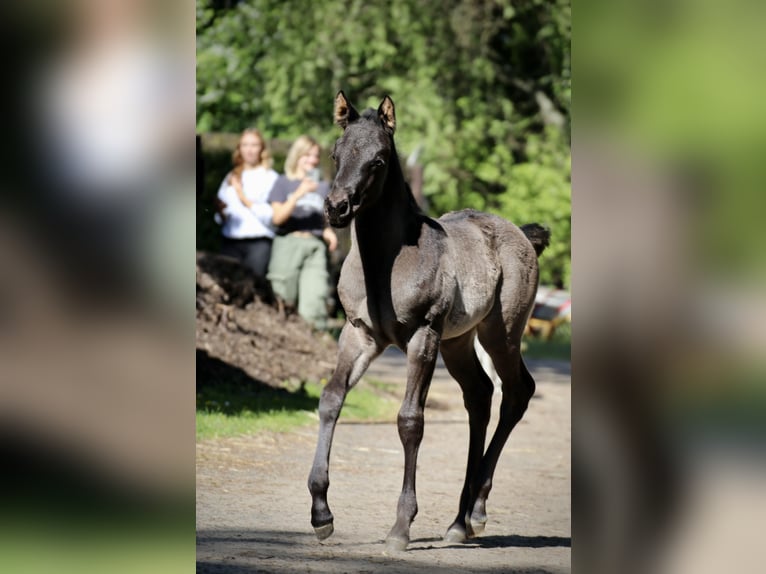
(325, 531)
(396, 544)
(477, 528)
(455, 534)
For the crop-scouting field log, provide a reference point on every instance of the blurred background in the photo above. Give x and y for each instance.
(96, 296)
(668, 275)
(97, 239)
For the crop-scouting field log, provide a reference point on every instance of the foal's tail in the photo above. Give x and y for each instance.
(539, 236)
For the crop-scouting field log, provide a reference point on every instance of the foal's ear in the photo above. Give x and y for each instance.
(344, 112)
(387, 115)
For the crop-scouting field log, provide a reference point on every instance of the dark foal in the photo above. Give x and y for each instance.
(424, 285)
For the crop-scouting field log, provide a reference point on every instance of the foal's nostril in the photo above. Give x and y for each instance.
(337, 211)
(338, 208)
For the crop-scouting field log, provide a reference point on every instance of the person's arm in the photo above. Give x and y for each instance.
(263, 211)
(230, 204)
(283, 210)
(330, 238)
(236, 183)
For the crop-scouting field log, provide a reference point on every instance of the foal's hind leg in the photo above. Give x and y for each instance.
(464, 366)
(518, 387)
(356, 350)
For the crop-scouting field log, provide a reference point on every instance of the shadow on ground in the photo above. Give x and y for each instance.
(289, 551)
(224, 388)
(517, 541)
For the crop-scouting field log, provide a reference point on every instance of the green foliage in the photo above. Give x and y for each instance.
(482, 88)
(684, 99)
(539, 190)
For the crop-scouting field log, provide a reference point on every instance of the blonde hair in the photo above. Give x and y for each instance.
(264, 159)
(300, 147)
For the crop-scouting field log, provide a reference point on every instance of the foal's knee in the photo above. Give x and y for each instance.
(527, 385)
(526, 388)
(410, 423)
(330, 404)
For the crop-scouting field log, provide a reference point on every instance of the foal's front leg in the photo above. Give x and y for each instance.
(356, 350)
(422, 351)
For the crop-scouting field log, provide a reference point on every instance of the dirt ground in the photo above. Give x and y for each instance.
(253, 504)
(252, 500)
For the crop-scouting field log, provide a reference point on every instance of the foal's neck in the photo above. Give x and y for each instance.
(393, 221)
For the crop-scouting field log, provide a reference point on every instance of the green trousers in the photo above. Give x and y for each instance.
(298, 274)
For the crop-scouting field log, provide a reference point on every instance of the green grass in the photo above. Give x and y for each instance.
(37, 549)
(558, 348)
(231, 410)
(372, 400)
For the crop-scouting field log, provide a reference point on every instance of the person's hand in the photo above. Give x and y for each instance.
(220, 207)
(308, 185)
(330, 238)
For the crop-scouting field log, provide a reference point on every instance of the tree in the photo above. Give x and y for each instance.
(481, 87)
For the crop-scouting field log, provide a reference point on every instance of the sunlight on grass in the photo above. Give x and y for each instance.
(372, 400)
(227, 411)
(215, 425)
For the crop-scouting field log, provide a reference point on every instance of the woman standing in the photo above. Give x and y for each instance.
(298, 268)
(247, 229)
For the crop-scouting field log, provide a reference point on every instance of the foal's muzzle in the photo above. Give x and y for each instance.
(338, 212)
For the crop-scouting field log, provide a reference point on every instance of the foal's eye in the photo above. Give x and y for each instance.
(378, 163)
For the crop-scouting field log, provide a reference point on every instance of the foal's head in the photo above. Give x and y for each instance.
(362, 156)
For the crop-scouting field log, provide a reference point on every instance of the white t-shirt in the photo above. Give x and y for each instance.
(241, 222)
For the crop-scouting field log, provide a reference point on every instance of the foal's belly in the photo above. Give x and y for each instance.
(393, 311)
(465, 313)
